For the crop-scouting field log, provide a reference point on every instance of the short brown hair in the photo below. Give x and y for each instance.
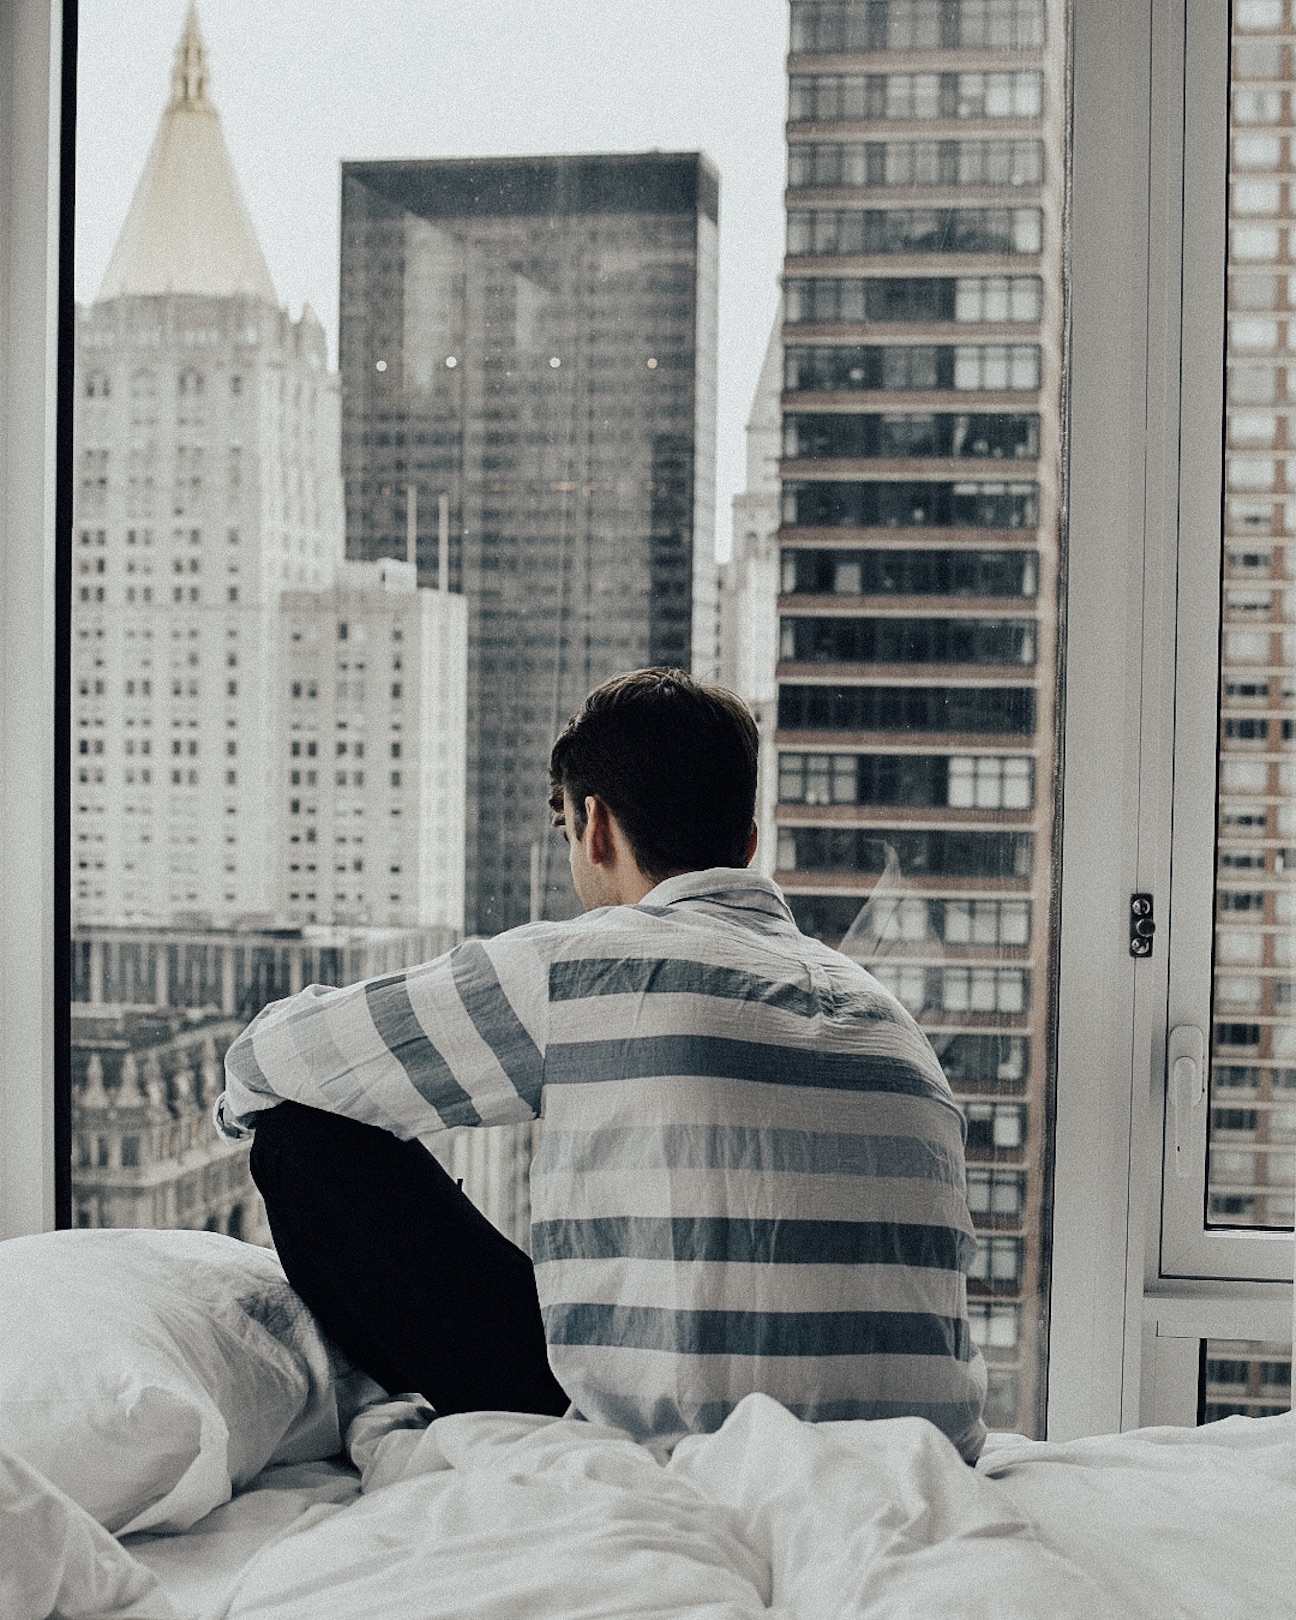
(673, 759)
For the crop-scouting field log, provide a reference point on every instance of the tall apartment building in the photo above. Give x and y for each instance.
(534, 339)
(920, 522)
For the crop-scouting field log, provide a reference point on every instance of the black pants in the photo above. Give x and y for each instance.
(402, 1271)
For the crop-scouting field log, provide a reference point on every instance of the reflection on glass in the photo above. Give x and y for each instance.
(1252, 1129)
(1243, 1377)
(917, 533)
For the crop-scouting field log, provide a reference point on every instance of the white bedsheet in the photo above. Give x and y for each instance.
(197, 1570)
(490, 1516)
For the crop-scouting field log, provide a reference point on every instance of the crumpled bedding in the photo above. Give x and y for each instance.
(494, 1516)
(55, 1560)
(490, 1516)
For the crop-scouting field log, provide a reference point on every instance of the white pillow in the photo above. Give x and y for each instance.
(55, 1560)
(147, 1374)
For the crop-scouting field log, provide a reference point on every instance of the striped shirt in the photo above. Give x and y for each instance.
(750, 1173)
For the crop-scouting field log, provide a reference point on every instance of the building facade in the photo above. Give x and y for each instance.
(534, 340)
(143, 1149)
(919, 565)
(371, 741)
(207, 481)
(196, 967)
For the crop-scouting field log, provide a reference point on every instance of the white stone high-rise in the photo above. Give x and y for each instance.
(208, 517)
(371, 740)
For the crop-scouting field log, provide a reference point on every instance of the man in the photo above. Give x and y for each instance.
(750, 1174)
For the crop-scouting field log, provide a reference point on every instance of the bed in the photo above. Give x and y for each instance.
(401, 1514)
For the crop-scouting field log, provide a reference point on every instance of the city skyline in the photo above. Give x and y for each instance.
(313, 94)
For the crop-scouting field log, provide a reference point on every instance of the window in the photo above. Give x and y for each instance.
(911, 505)
(907, 641)
(996, 1192)
(964, 572)
(905, 368)
(831, 231)
(1249, 905)
(832, 436)
(915, 164)
(898, 96)
(916, 25)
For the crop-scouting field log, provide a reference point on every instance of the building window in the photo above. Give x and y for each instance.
(850, 231)
(996, 1192)
(997, 1260)
(894, 97)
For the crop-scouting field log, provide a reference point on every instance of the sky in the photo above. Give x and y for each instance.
(302, 84)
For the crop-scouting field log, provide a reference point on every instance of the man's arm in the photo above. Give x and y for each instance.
(456, 1041)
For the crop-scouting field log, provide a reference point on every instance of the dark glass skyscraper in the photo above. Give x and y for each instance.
(533, 339)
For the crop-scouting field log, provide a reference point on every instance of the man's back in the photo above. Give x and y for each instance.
(750, 1176)
(751, 1167)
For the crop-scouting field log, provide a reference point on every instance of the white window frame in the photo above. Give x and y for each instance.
(1131, 1300)
(1188, 1247)
(31, 66)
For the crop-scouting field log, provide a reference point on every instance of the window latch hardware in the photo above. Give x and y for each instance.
(1186, 1083)
(1142, 925)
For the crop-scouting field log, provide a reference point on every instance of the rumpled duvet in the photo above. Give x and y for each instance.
(491, 1516)
(494, 1516)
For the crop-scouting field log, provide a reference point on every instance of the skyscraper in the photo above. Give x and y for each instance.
(920, 536)
(206, 442)
(534, 339)
(209, 650)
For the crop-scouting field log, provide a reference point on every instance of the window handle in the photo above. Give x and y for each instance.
(1186, 1065)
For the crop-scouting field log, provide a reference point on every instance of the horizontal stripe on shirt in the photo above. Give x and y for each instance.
(653, 1375)
(729, 1285)
(758, 1333)
(763, 1242)
(739, 1147)
(708, 1056)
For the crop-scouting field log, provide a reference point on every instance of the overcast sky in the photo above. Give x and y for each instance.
(302, 84)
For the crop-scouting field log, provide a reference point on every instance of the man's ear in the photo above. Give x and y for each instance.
(751, 845)
(599, 846)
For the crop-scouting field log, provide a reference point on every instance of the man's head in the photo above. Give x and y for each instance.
(659, 770)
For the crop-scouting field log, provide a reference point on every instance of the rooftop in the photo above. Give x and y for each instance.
(188, 229)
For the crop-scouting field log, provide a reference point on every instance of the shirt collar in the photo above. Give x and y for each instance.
(733, 883)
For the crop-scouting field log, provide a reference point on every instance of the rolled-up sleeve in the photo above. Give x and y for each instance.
(459, 1040)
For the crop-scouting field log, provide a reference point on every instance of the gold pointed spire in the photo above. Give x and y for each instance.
(189, 75)
(188, 228)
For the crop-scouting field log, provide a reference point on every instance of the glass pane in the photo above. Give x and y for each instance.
(1252, 1127)
(1243, 1377)
(913, 537)
(339, 578)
